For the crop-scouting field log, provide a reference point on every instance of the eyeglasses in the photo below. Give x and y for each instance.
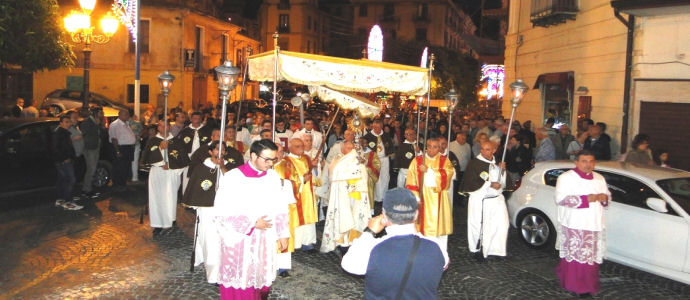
(272, 160)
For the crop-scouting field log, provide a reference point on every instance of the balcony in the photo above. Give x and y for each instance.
(388, 19)
(421, 19)
(546, 13)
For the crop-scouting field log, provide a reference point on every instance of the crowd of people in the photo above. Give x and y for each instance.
(258, 192)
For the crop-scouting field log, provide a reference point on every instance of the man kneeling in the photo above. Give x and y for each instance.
(403, 264)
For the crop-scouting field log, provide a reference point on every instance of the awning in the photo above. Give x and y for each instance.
(565, 79)
(341, 74)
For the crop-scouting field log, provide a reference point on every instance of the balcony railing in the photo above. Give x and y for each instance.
(283, 29)
(552, 12)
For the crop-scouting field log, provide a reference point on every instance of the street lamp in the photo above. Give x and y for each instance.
(227, 80)
(165, 80)
(517, 90)
(451, 102)
(78, 24)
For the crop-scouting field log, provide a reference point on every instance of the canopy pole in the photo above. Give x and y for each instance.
(243, 93)
(328, 130)
(275, 82)
(428, 102)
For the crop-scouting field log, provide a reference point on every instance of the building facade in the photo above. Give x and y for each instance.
(187, 41)
(438, 22)
(620, 62)
(302, 26)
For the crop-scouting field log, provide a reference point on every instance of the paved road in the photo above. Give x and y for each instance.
(103, 252)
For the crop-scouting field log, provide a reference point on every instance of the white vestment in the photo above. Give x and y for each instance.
(384, 172)
(487, 213)
(249, 255)
(285, 258)
(163, 185)
(345, 212)
(207, 250)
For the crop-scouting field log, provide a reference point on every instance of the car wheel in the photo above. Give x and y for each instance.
(55, 110)
(536, 230)
(103, 173)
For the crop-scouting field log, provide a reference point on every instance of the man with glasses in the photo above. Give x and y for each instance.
(429, 180)
(252, 218)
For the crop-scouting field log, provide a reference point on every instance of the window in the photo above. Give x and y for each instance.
(388, 10)
(223, 48)
(284, 4)
(552, 12)
(308, 22)
(284, 23)
(308, 46)
(422, 11)
(678, 189)
(557, 96)
(143, 93)
(393, 34)
(551, 176)
(143, 38)
(629, 191)
(362, 10)
(283, 43)
(420, 34)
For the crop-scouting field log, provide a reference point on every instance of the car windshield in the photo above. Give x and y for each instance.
(678, 189)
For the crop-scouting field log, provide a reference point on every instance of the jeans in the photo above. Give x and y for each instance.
(91, 159)
(65, 180)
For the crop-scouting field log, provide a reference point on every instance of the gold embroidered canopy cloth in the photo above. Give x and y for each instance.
(340, 74)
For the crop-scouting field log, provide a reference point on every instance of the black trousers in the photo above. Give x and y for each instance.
(122, 167)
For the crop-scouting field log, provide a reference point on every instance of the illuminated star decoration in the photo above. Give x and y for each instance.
(126, 12)
(494, 75)
(375, 45)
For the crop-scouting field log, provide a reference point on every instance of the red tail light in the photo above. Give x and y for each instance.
(517, 184)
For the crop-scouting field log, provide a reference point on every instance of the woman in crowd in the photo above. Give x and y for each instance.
(640, 152)
(476, 147)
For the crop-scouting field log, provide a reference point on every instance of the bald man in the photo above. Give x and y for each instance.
(487, 215)
(348, 209)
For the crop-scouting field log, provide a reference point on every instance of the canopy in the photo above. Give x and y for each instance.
(342, 74)
(346, 101)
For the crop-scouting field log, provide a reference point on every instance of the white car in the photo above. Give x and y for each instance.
(647, 222)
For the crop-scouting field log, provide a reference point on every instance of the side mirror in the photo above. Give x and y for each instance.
(657, 205)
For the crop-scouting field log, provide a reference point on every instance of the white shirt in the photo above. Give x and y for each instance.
(356, 259)
(122, 132)
(462, 152)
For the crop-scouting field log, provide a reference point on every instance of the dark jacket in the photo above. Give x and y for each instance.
(601, 147)
(91, 133)
(16, 111)
(518, 159)
(61, 145)
(387, 264)
(387, 142)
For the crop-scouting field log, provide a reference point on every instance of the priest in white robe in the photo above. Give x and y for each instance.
(167, 165)
(252, 220)
(348, 209)
(487, 215)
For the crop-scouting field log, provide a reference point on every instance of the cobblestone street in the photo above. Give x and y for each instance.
(103, 252)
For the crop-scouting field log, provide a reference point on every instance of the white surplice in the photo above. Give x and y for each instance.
(346, 213)
(207, 250)
(249, 255)
(488, 214)
(163, 185)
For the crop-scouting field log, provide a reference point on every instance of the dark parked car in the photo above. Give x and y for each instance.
(25, 157)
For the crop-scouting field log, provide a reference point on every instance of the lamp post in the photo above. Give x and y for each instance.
(227, 80)
(517, 90)
(165, 80)
(451, 102)
(78, 24)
